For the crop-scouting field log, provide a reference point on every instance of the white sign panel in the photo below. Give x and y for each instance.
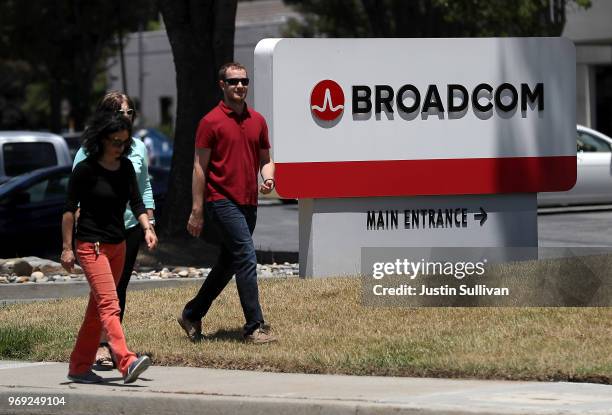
(399, 117)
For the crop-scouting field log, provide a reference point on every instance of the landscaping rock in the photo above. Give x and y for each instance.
(7, 266)
(36, 276)
(43, 270)
(22, 267)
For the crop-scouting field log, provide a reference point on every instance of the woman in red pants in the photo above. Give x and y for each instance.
(102, 184)
(119, 103)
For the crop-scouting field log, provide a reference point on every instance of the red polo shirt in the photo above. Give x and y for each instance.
(234, 141)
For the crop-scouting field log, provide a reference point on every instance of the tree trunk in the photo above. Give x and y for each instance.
(55, 104)
(201, 35)
(80, 95)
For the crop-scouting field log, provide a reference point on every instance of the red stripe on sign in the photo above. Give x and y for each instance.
(425, 177)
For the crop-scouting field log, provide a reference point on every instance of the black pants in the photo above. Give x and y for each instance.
(133, 238)
(235, 225)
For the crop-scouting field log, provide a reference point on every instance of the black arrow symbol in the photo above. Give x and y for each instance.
(482, 216)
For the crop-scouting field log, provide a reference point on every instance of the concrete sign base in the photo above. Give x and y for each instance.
(333, 231)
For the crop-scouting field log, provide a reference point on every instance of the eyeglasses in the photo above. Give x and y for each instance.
(128, 112)
(118, 143)
(235, 81)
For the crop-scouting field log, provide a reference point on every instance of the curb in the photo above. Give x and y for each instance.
(160, 403)
(185, 390)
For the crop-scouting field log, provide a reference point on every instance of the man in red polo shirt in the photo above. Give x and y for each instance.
(232, 146)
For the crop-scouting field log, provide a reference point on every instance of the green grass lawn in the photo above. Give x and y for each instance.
(324, 328)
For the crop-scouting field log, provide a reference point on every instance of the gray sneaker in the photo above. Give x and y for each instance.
(260, 336)
(136, 368)
(192, 328)
(87, 377)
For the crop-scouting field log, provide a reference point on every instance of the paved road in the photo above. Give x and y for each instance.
(277, 228)
(576, 226)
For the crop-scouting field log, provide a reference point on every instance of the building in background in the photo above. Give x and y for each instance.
(591, 31)
(150, 73)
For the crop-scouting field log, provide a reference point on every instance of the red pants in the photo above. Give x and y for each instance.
(102, 271)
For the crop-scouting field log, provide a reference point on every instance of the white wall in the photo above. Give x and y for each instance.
(591, 31)
(158, 67)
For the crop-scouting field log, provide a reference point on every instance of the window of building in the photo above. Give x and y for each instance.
(603, 97)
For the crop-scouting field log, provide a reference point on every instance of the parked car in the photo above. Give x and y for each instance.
(594, 172)
(31, 208)
(158, 145)
(24, 151)
(73, 140)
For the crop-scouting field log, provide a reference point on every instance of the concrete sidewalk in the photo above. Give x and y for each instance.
(186, 391)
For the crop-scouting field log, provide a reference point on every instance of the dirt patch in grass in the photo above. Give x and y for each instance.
(323, 328)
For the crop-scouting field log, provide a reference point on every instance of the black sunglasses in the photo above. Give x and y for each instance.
(129, 112)
(235, 81)
(119, 143)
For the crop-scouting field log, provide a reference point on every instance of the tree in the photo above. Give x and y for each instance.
(14, 77)
(428, 18)
(65, 43)
(201, 34)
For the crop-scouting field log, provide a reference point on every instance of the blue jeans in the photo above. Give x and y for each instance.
(234, 226)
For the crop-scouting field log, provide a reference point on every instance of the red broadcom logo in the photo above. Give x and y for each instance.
(327, 100)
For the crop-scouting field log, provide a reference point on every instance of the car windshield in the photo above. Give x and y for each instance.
(16, 181)
(8, 185)
(10, 180)
(21, 158)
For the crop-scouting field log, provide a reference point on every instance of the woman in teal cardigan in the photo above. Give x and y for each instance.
(120, 103)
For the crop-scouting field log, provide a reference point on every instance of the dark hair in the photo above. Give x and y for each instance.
(101, 125)
(111, 102)
(229, 65)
